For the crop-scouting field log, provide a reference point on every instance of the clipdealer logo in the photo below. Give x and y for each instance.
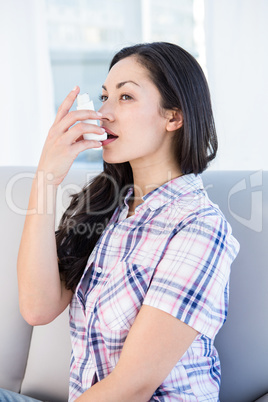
(254, 222)
(253, 185)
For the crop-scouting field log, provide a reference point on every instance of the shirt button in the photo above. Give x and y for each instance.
(154, 204)
(98, 270)
(116, 233)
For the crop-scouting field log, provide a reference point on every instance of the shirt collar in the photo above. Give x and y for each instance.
(170, 190)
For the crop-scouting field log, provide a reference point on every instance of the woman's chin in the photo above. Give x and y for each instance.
(113, 158)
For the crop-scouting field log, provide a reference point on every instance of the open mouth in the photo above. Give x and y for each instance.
(110, 137)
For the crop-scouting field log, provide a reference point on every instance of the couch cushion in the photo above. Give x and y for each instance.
(47, 372)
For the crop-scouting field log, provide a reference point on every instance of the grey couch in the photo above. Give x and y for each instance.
(35, 360)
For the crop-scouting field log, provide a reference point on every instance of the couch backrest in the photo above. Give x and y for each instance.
(33, 360)
(15, 334)
(243, 341)
(37, 361)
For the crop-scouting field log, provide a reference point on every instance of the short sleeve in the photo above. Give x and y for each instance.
(191, 282)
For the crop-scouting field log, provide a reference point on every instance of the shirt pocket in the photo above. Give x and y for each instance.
(122, 296)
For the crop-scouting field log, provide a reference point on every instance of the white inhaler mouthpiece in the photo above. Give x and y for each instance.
(84, 103)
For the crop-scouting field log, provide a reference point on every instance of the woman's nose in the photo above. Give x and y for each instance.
(107, 113)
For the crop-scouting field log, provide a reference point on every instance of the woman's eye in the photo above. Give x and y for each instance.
(126, 97)
(103, 98)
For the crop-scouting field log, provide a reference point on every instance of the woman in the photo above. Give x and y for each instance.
(147, 283)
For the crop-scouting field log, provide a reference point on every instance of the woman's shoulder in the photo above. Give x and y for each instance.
(196, 213)
(194, 202)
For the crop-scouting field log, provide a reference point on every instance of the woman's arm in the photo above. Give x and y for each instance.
(42, 295)
(154, 345)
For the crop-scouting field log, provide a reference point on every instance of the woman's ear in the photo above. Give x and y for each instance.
(174, 120)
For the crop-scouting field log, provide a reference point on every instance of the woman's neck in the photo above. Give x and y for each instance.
(148, 178)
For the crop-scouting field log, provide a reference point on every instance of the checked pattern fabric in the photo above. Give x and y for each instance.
(174, 254)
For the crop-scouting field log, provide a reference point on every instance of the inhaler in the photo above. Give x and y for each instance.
(84, 103)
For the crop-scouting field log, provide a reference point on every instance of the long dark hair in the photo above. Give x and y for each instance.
(182, 86)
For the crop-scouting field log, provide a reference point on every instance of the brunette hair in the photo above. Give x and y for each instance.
(182, 86)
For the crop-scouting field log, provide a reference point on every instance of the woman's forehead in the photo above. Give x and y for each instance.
(127, 70)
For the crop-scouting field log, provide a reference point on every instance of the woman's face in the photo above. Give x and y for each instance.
(131, 112)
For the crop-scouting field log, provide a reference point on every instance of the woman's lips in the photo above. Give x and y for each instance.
(110, 137)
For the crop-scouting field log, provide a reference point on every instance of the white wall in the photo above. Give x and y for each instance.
(237, 65)
(26, 88)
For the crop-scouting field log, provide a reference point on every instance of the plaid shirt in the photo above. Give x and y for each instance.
(174, 254)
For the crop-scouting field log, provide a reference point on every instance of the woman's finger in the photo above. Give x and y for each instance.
(66, 104)
(78, 130)
(83, 145)
(75, 116)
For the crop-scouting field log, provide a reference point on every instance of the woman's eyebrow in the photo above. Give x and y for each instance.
(120, 84)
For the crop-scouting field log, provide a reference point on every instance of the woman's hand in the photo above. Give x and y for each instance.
(65, 139)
